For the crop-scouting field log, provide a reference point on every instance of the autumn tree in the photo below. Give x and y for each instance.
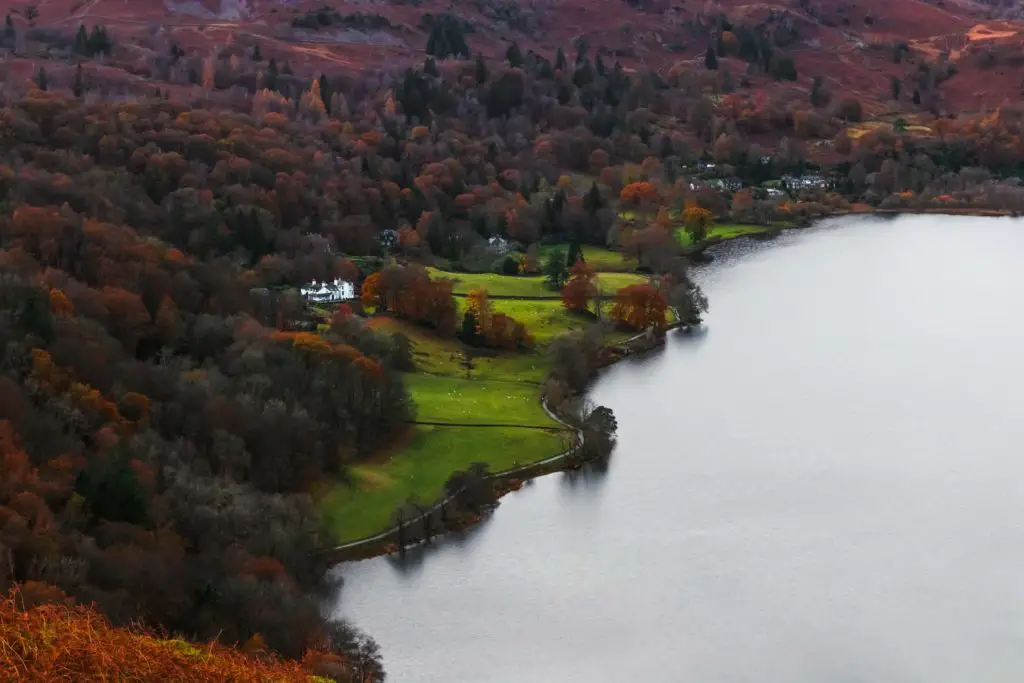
(640, 307)
(650, 245)
(696, 220)
(370, 292)
(640, 193)
(849, 109)
(580, 289)
(491, 328)
(408, 292)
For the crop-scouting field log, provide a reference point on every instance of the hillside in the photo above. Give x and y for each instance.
(856, 46)
(184, 430)
(51, 641)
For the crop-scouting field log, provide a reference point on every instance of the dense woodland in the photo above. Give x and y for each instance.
(165, 409)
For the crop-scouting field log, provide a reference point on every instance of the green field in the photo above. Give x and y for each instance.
(422, 467)
(477, 401)
(527, 286)
(504, 390)
(546, 320)
(601, 260)
(725, 231)
(436, 356)
(498, 285)
(610, 283)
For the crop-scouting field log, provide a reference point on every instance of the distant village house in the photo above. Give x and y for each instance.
(329, 292)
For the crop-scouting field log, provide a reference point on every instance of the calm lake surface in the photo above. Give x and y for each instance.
(827, 485)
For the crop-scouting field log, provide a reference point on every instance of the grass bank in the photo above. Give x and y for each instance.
(419, 470)
(725, 231)
(527, 286)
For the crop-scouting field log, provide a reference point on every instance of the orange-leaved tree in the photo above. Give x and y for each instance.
(641, 192)
(580, 289)
(493, 329)
(697, 219)
(478, 305)
(370, 295)
(640, 307)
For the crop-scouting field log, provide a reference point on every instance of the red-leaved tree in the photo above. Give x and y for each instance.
(640, 307)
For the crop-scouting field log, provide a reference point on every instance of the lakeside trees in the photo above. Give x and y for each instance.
(640, 307)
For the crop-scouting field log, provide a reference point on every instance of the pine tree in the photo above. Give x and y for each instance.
(270, 80)
(82, 41)
(41, 80)
(554, 269)
(481, 70)
(581, 50)
(469, 333)
(560, 60)
(447, 38)
(113, 491)
(257, 56)
(819, 98)
(514, 56)
(79, 87)
(584, 74)
(894, 88)
(430, 68)
(325, 92)
(575, 254)
(917, 96)
(710, 59)
(593, 201)
(99, 41)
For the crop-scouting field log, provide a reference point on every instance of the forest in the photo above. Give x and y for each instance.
(169, 403)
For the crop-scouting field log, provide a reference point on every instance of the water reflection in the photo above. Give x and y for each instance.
(589, 477)
(409, 564)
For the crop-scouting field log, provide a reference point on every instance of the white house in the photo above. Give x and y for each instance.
(329, 292)
(498, 244)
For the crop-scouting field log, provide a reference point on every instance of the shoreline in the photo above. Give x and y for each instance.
(504, 482)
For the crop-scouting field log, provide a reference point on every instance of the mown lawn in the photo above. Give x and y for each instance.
(546, 320)
(610, 283)
(725, 231)
(422, 467)
(437, 356)
(601, 260)
(499, 285)
(527, 285)
(477, 401)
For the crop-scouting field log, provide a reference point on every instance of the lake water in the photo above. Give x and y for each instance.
(826, 485)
